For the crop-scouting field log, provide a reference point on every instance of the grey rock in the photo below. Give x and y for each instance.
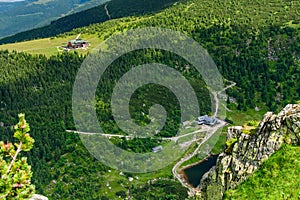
(38, 197)
(251, 151)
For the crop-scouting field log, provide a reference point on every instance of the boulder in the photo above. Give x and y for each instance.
(38, 197)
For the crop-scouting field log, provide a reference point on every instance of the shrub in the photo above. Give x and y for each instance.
(249, 131)
(250, 127)
(121, 193)
(228, 121)
(253, 123)
(15, 182)
(229, 145)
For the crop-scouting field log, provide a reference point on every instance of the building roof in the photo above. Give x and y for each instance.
(158, 148)
(78, 41)
(206, 120)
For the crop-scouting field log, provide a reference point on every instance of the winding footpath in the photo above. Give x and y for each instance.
(216, 94)
(175, 169)
(189, 156)
(211, 131)
(132, 136)
(106, 11)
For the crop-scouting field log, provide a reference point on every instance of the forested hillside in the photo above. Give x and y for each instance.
(17, 16)
(255, 44)
(110, 10)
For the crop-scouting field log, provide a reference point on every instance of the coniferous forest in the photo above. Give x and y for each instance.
(255, 44)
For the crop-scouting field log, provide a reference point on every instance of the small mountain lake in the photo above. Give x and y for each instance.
(195, 172)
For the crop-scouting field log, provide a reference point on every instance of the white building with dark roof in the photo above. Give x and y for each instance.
(206, 120)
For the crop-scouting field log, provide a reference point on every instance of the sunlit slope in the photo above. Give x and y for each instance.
(110, 10)
(236, 34)
(188, 17)
(277, 179)
(50, 46)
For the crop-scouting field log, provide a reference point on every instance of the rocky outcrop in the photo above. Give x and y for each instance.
(38, 197)
(251, 150)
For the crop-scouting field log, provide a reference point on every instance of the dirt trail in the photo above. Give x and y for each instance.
(213, 130)
(107, 12)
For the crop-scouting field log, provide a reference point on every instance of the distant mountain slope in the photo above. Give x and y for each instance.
(253, 43)
(28, 14)
(110, 10)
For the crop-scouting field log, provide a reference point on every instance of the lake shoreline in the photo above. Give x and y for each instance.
(208, 163)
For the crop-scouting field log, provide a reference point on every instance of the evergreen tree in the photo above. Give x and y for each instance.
(15, 182)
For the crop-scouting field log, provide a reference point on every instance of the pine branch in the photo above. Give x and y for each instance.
(3, 196)
(15, 157)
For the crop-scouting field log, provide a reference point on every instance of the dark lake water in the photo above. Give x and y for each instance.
(195, 173)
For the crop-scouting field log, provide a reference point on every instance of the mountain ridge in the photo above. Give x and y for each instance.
(23, 15)
(116, 8)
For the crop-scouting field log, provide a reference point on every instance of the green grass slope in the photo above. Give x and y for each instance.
(278, 178)
(50, 46)
(237, 34)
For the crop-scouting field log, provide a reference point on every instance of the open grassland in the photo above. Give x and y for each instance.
(50, 46)
(277, 179)
(239, 118)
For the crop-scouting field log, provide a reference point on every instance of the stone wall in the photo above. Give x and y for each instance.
(251, 150)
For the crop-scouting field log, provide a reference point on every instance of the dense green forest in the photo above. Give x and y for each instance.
(250, 44)
(255, 44)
